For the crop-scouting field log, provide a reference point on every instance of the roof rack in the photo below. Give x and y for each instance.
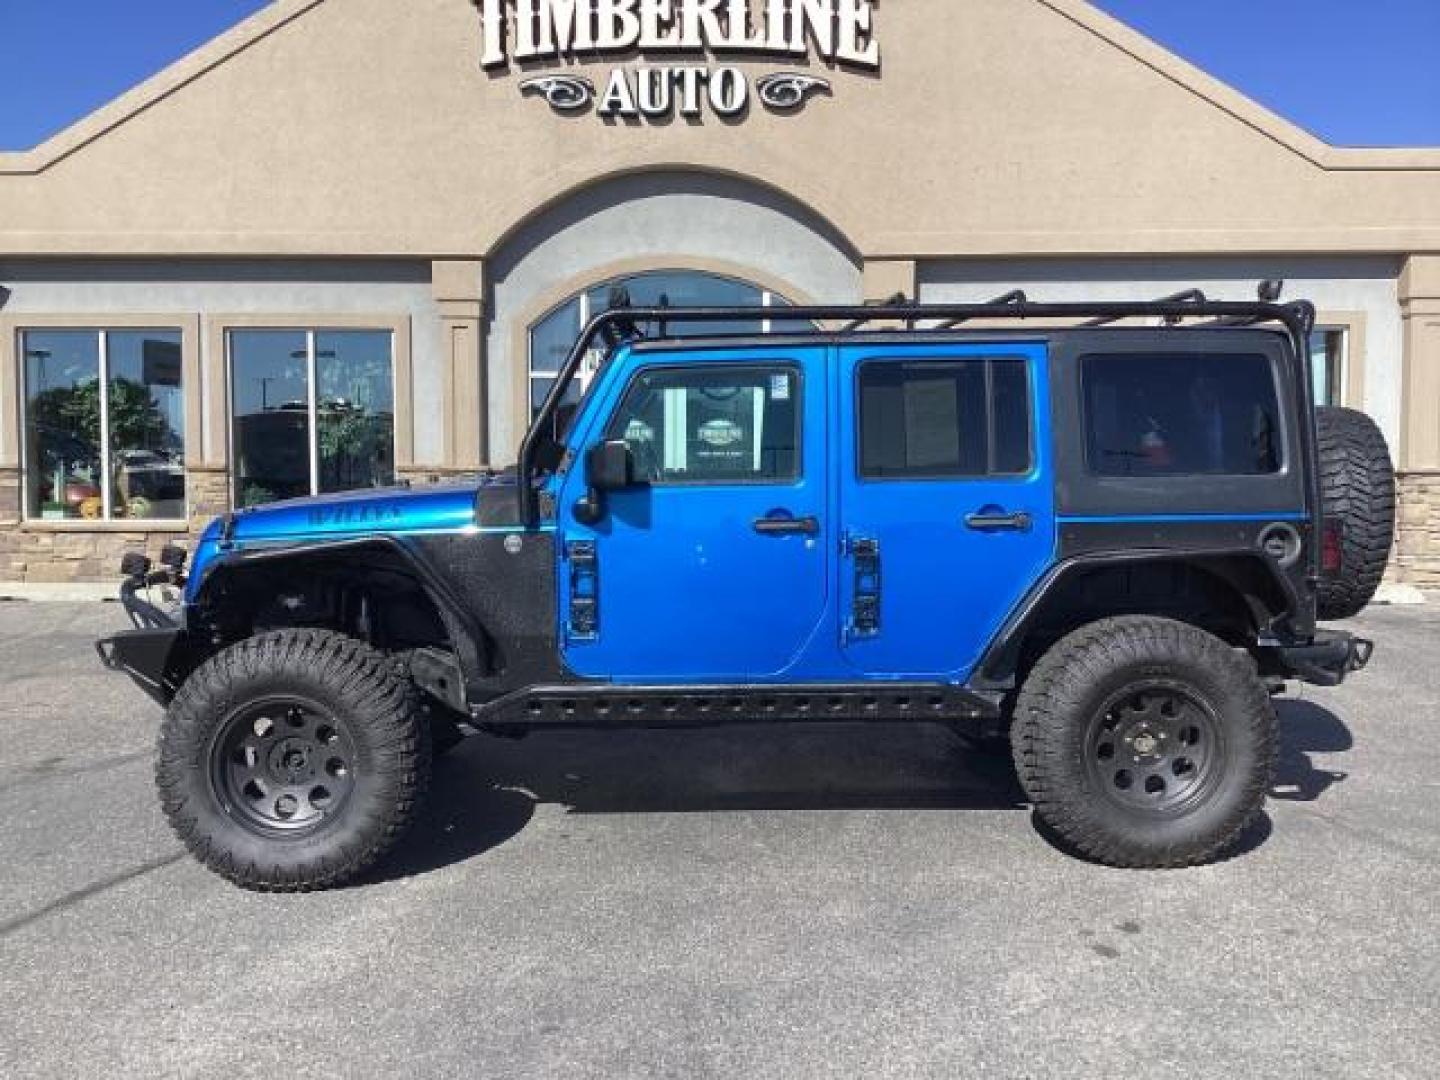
(1185, 296)
(1016, 296)
(617, 325)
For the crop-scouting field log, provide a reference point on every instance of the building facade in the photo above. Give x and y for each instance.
(348, 242)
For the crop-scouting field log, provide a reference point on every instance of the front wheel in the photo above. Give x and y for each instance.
(293, 761)
(1145, 742)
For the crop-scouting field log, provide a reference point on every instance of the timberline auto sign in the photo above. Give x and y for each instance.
(527, 32)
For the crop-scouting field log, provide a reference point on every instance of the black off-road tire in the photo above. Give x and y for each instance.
(1101, 683)
(318, 690)
(1357, 490)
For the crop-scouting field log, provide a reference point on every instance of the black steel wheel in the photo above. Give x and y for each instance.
(1155, 747)
(294, 760)
(1145, 742)
(282, 765)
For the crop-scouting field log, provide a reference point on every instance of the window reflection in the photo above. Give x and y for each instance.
(552, 338)
(146, 418)
(1327, 364)
(288, 445)
(355, 409)
(79, 384)
(62, 424)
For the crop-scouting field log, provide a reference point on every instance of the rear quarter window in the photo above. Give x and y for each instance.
(1188, 414)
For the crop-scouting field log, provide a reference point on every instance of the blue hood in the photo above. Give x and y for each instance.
(373, 511)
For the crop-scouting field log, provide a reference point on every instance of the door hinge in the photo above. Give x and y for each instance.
(864, 619)
(584, 620)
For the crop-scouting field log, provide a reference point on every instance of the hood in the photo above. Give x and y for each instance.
(373, 510)
(393, 511)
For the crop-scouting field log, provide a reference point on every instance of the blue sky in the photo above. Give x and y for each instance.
(1356, 73)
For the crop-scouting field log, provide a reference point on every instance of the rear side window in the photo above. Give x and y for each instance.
(1185, 414)
(713, 425)
(934, 419)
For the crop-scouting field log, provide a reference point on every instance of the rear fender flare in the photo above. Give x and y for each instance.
(999, 665)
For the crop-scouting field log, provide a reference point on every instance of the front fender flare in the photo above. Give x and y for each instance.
(466, 635)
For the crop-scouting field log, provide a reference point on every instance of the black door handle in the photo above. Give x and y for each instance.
(1000, 522)
(778, 526)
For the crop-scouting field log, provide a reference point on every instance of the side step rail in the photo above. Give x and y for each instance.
(604, 705)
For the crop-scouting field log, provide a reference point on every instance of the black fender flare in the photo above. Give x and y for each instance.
(465, 633)
(1000, 661)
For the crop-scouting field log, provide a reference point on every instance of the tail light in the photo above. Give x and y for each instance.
(1332, 546)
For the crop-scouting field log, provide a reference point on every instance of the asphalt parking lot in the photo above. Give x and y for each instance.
(746, 903)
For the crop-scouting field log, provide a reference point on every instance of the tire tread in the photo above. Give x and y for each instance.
(350, 669)
(1045, 712)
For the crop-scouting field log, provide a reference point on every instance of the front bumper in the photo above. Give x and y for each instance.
(144, 655)
(1325, 661)
(148, 652)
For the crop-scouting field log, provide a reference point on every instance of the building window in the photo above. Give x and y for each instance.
(104, 425)
(313, 412)
(1328, 359)
(552, 338)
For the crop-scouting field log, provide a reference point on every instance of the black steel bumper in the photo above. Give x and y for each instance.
(144, 655)
(1326, 660)
(147, 652)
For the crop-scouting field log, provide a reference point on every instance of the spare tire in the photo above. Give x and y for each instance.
(1357, 495)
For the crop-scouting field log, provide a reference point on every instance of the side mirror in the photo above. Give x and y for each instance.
(609, 466)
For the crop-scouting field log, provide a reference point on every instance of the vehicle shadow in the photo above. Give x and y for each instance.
(1306, 728)
(486, 791)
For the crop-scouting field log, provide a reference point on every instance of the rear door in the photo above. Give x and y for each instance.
(947, 501)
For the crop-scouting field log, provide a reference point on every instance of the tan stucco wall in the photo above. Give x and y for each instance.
(997, 130)
(996, 127)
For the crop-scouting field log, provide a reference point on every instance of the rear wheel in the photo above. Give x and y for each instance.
(293, 761)
(1145, 742)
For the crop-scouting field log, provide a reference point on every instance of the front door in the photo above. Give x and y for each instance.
(715, 568)
(947, 501)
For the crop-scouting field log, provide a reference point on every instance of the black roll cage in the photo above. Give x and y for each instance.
(621, 324)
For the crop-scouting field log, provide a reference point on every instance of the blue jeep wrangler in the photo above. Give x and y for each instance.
(1104, 531)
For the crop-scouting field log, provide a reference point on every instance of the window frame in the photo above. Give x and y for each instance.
(1031, 413)
(766, 366)
(1282, 419)
(1339, 377)
(14, 390)
(312, 329)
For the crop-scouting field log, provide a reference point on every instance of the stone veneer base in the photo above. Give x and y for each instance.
(37, 554)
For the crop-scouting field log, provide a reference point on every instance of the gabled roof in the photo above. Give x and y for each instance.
(281, 13)
(172, 80)
(368, 128)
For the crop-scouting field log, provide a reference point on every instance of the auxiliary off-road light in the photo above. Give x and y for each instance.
(134, 564)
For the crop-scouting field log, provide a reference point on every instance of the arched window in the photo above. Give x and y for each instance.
(552, 338)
